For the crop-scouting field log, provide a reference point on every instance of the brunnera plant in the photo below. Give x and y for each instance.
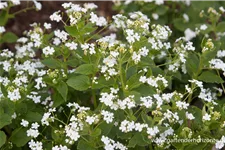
(129, 89)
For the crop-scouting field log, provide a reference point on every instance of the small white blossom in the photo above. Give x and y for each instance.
(24, 123)
(206, 117)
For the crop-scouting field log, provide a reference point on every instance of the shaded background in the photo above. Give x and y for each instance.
(23, 20)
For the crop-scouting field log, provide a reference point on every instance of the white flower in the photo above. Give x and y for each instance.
(60, 147)
(189, 34)
(144, 51)
(15, 2)
(48, 50)
(111, 145)
(203, 27)
(24, 123)
(14, 95)
(55, 16)
(71, 46)
(35, 145)
(136, 57)
(146, 101)
(3, 5)
(47, 25)
(222, 9)
(107, 116)
(35, 125)
(153, 131)
(99, 21)
(2, 29)
(107, 99)
(33, 133)
(182, 105)
(189, 116)
(155, 16)
(220, 144)
(90, 119)
(90, 6)
(186, 18)
(131, 36)
(159, 2)
(61, 35)
(206, 117)
(221, 53)
(45, 119)
(109, 61)
(37, 5)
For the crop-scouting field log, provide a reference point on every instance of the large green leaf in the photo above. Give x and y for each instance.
(2, 138)
(72, 30)
(210, 77)
(221, 27)
(137, 139)
(19, 137)
(3, 17)
(80, 83)
(62, 88)
(192, 64)
(83, 145)
(85, 69)
(5, 119)
(51, 63)
(9, 37)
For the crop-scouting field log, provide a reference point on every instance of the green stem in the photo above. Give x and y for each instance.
(23, 10)
(121, 77)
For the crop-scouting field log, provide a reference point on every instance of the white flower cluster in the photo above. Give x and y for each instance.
(35, 145)
(60, 147)
(181, 50)
(72, 129)
(111, 144)
(154, 81)
(99, 21)
(205, 94)
(47, 118)
(107, 116)
(220, 144)
(33, 131)
(111, 100)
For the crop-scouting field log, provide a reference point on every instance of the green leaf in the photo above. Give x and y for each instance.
(5, 119)
(58, 99)
(33, 116)
(133, 81)
(72, 62)
(161, 10)
(137, 139)
(195, 146)
(214, 125)
(105, 128)
(96, 132)
(2, 138)
(9, 37)
(72, 30)
(210, 77)
(19, 137)
(102, 82)
(85, 69)
(180, 24)
(80, 83)
(83, 145)
(62, 88)
(192, 64)
(51, 63)
(3, 17)
(220, 27)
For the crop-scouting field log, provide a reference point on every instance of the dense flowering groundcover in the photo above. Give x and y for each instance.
(121, 83)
